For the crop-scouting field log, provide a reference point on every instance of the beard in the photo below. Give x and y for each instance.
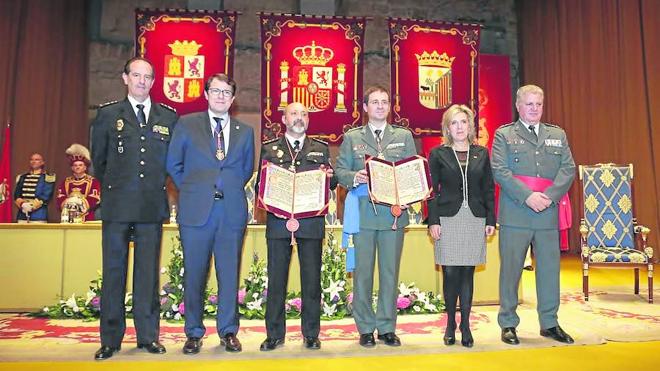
(298, 127)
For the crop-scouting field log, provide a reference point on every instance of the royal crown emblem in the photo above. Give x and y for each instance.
(184, 72)
(312, 55)
(312, 81)
(434, 72)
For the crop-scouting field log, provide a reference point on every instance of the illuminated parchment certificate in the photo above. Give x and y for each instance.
(292, 194)
(398, 183)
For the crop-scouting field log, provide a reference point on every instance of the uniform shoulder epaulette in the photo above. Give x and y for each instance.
(269, 141)
(106, 104)
(168, 107)
(505, 125)
(353, 129)
(400, 127)
(552, 125)
(320, 141)
(50, 178)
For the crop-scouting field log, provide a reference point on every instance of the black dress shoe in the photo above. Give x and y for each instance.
(449, 338)
(105, 352)
(154, 347)
(367, 340)
(271, 344)
(312, 343)
(390, 339)
(231, 343)
(466, 338)
(509, 336)
(558, 334)
(192, 346)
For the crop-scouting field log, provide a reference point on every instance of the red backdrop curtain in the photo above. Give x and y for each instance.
(597, 61)
(43, 80)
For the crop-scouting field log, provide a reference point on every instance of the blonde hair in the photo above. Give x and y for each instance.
(528, 89)
(448, 116)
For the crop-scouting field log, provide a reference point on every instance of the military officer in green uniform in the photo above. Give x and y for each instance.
(393, 143)
(533, 165)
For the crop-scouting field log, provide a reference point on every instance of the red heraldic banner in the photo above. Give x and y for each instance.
(316, 61)
(433, 65)
(5, 177)
(494, 96)
(185, 48)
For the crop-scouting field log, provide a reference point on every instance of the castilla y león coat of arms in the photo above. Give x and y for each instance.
(184, 72)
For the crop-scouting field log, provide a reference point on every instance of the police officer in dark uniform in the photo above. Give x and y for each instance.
(297, 152)
(33, 191)
(129, 141)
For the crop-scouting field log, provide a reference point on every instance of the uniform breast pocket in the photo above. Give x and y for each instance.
(122, 142)
(553, 155)
(519, 157)
(315, 159)
(395, 153)
(160, 137)
(359, 154)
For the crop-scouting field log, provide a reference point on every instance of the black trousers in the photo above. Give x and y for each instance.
(279, 259)
(146, 305)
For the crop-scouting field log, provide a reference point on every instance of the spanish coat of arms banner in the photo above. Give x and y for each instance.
(433, 65)
(185, 47)
(316, 61)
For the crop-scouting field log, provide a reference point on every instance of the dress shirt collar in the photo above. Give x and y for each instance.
(224, 122)
(146, 103)
(291, 140)
(536, 126)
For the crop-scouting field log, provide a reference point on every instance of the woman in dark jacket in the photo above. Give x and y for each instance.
(461, 215)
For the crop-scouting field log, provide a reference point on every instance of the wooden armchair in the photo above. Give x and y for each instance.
(611, 237)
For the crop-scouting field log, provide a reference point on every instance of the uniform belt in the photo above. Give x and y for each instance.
(218, 195)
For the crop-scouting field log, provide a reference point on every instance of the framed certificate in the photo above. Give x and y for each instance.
(291, 194)
(398, 183)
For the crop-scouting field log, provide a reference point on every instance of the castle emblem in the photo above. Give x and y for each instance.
(434, 71)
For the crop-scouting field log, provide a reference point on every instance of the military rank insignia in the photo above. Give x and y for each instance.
(120, 125)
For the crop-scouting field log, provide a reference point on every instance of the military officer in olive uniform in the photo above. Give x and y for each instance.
(393, 143)
(129, 143)
(33, 191)
(295, 151)
(527, 153)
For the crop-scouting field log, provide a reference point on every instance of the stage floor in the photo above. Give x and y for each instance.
(612, 315)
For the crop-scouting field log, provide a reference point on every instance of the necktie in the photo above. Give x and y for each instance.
(377, 132)
(296, 146)
(142, 118)
(219, 139)
(531, 128)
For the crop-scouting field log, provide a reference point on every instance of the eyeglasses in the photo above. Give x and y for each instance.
(218, 92)
(379, 102)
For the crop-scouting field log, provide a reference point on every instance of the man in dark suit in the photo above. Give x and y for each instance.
(295, 151)
(129, 141)
(211, 158)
